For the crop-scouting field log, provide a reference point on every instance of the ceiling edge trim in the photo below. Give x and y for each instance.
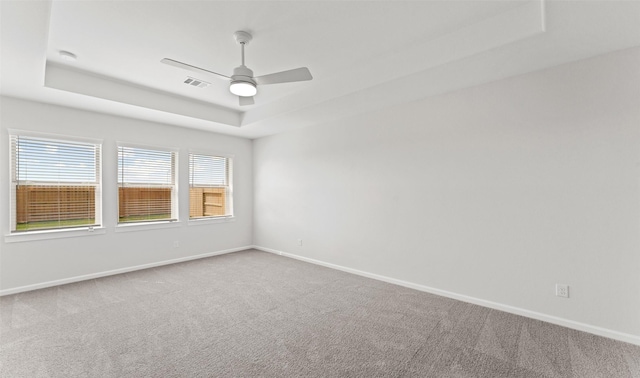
(89, 84)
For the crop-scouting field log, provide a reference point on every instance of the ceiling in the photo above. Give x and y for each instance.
(363, 55)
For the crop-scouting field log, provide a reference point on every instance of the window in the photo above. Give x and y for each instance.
(209, 188)
(146, 185)
(55, 184)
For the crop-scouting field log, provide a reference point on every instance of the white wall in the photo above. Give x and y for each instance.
(496, 192)
(35, 262)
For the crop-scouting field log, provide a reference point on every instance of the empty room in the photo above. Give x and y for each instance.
(320, 188)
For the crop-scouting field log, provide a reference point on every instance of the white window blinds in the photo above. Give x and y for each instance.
(54, 184)
(209, 189)
(146, 185)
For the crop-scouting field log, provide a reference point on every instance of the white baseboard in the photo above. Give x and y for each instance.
(628, 338)
(63, 281)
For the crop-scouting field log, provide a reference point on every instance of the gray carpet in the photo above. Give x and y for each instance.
(251, 314)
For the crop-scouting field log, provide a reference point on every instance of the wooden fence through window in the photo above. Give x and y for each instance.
(144, 202)
(207, 202)
(35, 203)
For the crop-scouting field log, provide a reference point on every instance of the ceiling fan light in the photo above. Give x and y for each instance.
(243, 88)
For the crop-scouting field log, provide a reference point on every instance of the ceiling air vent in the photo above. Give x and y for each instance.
(196, 82)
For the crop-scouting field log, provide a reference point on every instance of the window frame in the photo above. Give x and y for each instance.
(175, 198)
(55, 232)
(229, 201)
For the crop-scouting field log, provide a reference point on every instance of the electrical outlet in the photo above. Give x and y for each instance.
(299, 241)
(562, 290)
(176, 244)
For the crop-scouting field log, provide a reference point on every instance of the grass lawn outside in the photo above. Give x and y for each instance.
(68, 223)
(143, 218)
(43, 225)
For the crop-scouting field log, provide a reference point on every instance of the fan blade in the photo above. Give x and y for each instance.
(298, 74)
(189, 67)
(246, 100)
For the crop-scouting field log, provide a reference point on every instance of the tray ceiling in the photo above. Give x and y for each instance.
(363, 55)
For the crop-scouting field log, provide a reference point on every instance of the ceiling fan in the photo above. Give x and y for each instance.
(242, 83)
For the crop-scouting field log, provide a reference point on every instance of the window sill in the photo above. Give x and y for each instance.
(53, 234)
(142, 226)
(203, 221)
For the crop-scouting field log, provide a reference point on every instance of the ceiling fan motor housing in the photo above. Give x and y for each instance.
(242, 73)
(242, 83)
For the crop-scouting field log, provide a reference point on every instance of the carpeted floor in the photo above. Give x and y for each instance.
(250, 314)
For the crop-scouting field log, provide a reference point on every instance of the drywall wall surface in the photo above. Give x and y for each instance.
(34, 262)
(495, 192)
